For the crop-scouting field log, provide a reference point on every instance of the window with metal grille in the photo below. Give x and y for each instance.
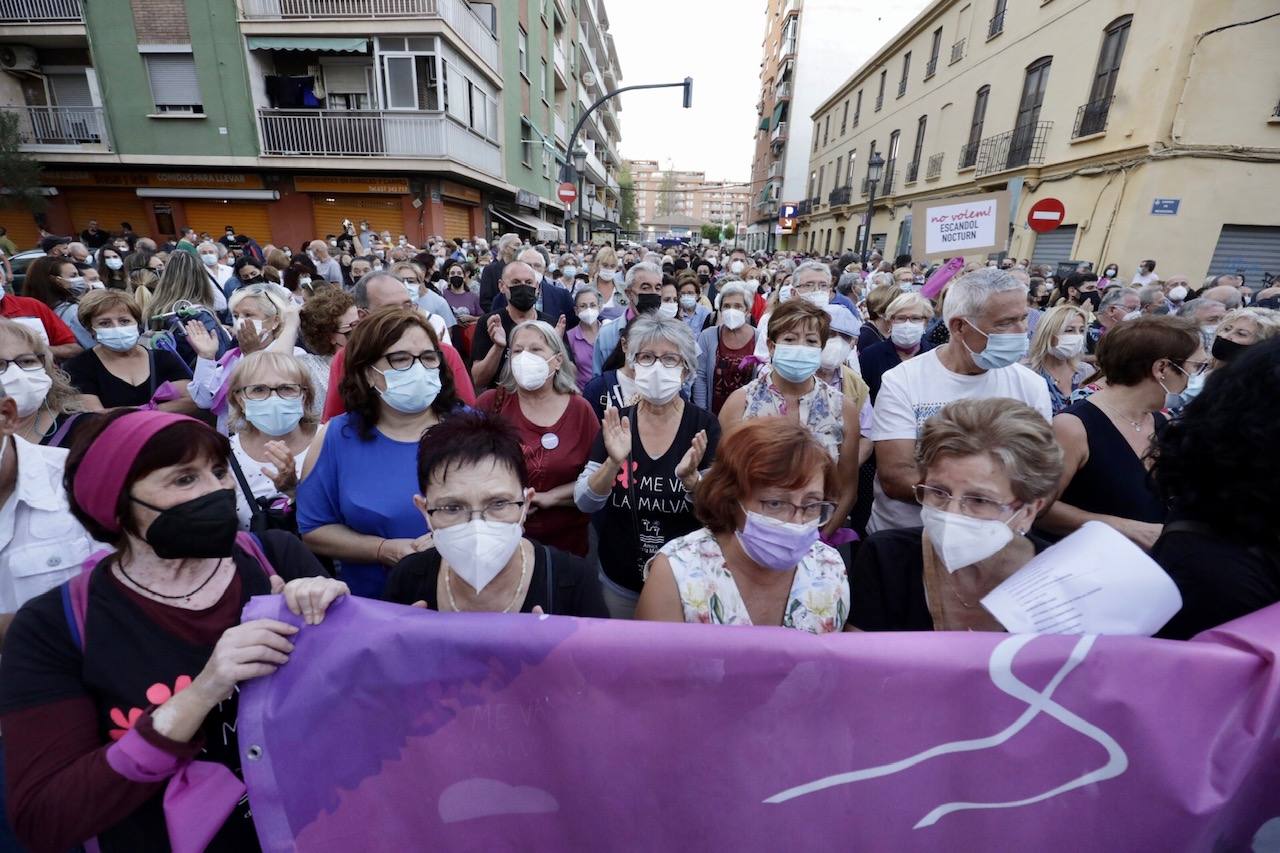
(175, 88)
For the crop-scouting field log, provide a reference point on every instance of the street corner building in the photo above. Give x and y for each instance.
(282, 118)
(1152, 122)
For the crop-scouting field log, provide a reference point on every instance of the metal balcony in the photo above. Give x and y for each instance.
(934, 169)
(1092, 117)
(913, 171)
(40, 11)
(886, 182)
(866, 185)
(957, 51)
(996, 25)
(902, 87)
(856, 117)
(931, 68)
(968, 154)
(783, 92)
(840, 195)
(879, 101)
(1022, 146)
(803, 207)
(40, 127)
(779, 133)
(375, 134)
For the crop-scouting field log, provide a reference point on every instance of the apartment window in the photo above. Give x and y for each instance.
(526, 143)
(913, 169)
(816, 138)
(835, 176)
(822, 172)
(969, 154)
(853, 160)
(884, 75)
(1092, 117)
(891, 161)
(906, 70)
(826, 129)
(996, 26)
(844, 118)
(870, 154)
(542, 79)
(813, 176)
(522, 44)
(857, 109)
(1024, 129)
(175, 88)
(935, 49)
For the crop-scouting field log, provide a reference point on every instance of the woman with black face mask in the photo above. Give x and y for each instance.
(1240, 329)
(153, 624)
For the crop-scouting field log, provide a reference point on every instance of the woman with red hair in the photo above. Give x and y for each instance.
(757, 559)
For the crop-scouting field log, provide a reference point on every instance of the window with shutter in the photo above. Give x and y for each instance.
(175, 88)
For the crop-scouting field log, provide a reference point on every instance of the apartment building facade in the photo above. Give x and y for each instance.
(1150, 120)
(679, 201)
(281, 118)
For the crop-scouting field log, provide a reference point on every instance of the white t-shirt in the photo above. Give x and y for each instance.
(1143, 280)
(915, 391)
(262, 485)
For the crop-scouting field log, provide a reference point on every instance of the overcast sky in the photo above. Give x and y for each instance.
(718, 44)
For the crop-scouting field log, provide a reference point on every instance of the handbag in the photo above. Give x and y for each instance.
(268, 513)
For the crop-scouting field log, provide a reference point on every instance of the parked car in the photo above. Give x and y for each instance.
(19, 264)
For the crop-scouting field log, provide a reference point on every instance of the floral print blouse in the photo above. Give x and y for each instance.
(818, 601)
(821, 410)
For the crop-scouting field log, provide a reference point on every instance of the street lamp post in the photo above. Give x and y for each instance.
(567, 172)
(874, 165)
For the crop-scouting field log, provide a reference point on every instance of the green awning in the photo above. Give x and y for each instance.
(341, 44)
(764, 123)
(778, 112)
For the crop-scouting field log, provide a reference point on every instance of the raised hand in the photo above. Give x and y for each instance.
(497, 333)
(688, 467)
(560, 326)
(285, 475)
(204, 344)
(617, 436)
(247, 338)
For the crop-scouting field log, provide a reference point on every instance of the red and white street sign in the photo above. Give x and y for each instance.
(567, 193)
(1046, 215)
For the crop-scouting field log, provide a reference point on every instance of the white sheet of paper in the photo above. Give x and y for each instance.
(1093, 582)
(35, 324)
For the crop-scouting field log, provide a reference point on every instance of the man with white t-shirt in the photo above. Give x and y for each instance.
(986, 314)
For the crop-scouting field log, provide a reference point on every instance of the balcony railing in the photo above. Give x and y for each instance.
(996, 25)
(38, 126)
(1276, 112)
(775, 168)
(968, 154)
(957, 51)
(886, 182)
(1022, 146)
(902, 87)
(562, 130)
(934, 169)
(815, 203)
(856, 117)
(778, 133)
(840, 195)
(1092, 117)
(866, 185)
(558, 59)
(374, 133)
(455, 13)
(913, 171)
(787, 48)
(783, 92)
(931, 67)
(40, 11)
(803, 207)
(879, 101)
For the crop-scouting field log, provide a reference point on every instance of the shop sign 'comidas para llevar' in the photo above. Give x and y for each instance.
(965, 225)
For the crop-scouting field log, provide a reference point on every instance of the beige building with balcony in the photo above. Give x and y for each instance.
(686, 198)
(1155, 122)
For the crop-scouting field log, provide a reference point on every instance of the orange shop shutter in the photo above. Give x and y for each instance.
(382, 211)
(457, 221)
(249, 218)
(20, 225)
(109, 207)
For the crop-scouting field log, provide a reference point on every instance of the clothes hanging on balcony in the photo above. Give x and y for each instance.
(290, 92)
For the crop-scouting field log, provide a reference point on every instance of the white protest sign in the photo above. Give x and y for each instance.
(968, 225)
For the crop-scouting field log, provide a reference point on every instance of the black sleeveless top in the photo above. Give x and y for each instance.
(1113, 481)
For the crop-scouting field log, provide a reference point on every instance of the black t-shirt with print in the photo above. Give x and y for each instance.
(130, 663)
(648, 505)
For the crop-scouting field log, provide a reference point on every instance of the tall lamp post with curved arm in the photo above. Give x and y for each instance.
(576, 162)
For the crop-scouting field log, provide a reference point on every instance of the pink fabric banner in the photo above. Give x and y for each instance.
(395, 729)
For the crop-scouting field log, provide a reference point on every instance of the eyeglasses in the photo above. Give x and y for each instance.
(287, 391)
(1194, 368)
(403, 361)
(502, 511)
(810, 287)
(970, 505)
(646, 359)
(411, 280)
(787, 511)
(28, 361)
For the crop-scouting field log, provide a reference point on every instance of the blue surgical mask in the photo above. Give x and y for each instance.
(1180, 399)
(1003, 349)
(411, 391)
(274, 415)
(796, 363)
(120, 338)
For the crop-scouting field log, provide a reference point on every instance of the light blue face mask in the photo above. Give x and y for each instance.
(411, 391)
(1003, 349)
(796, 363)
(274, 416)
(119, 339)
(1183, 398)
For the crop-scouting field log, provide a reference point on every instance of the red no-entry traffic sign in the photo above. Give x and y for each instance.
(1046, 215)
(567, 193)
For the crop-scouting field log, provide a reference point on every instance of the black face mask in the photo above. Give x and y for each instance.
(703, 277)
(257, 279)
(456, 281)
(1094, 297)
(647, 303)
(199, 528)
(522, 297)
(1225, 350)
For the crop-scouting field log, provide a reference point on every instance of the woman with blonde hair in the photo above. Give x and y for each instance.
(184, 280)
(1056, 351)
(269, 404)
(603, 272)
(907, 316)
(48, 404)
(538, 394)
(1242, 328)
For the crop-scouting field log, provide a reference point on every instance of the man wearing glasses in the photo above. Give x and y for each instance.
(520, 285)
(643, 288)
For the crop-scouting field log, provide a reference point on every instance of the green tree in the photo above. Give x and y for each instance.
(667, 194)
(627, 190)
(19, 172)
(730, 231)
(711, 232)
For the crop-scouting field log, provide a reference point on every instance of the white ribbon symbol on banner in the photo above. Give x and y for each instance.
(1000, 668)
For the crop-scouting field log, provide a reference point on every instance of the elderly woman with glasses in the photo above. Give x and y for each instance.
(353, 501)
(47, 408)
(987, 467)
(474, 485)
(757, 560)
(326, 322)
(538, 395)
(644, 465)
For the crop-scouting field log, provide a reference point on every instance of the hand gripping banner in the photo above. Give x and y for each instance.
(396, 729)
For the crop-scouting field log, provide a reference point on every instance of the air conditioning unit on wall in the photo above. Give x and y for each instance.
(18, 57)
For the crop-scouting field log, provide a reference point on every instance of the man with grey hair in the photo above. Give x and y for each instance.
(643, 287)
(505, 251)
(552, 301)
(986, 316)
(1226, 291)
(1206, 313)
(1151, 300)
(1117, 303)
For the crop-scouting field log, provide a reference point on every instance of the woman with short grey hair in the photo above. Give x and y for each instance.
(723, 346)
(644, 465)
(538, 395)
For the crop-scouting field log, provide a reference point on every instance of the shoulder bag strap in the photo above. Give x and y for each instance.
(254, 509)
(251, 544)
(151, 364)
(551, 586)
(58, 437)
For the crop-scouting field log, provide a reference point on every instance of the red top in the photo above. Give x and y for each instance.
(562, 527)
(758, 307)
(462, 386)
(24, 306)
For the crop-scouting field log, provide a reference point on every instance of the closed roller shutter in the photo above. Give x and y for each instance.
(457, 221)
(247, 217)
(109, 207)
(382, 211)
(1248, 250)
(1053, 247)
(21, 226)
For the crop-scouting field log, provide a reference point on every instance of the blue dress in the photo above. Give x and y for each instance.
(367, 486)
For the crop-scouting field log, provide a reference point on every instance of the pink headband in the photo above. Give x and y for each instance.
(106, 463)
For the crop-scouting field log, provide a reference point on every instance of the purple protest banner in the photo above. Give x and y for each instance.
(940, 277)
(395, 729)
